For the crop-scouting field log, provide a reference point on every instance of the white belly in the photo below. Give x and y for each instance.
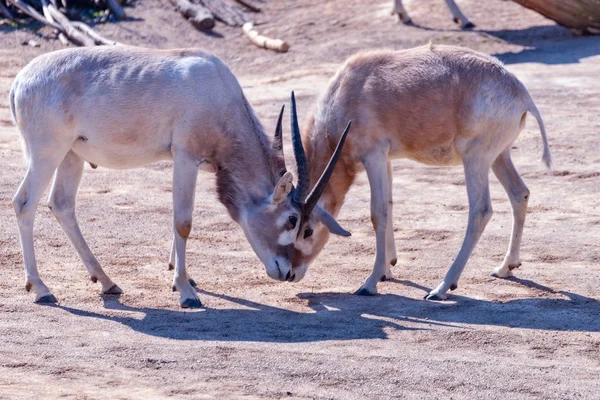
(121, 155)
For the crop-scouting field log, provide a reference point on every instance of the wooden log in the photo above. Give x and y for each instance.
(582, 16)
(224, 11)
(94, 35)
(61, 36)
(116, 9)
(68, 29)
(197, 14)
(277, 45)
(27, 9)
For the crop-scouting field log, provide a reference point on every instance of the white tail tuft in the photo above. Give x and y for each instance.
(546, 156)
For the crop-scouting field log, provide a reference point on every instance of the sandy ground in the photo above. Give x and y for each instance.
(535, 336)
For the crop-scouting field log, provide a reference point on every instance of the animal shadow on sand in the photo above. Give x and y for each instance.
(547, 44)
(341, 316)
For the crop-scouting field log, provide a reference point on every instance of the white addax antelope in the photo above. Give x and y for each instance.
(124, 107)
(439, 105)
(457, 15)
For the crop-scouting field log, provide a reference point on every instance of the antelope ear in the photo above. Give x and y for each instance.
(327, 219)
(283, 188)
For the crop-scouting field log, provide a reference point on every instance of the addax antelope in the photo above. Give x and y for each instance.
(124, 107)
(438, 105)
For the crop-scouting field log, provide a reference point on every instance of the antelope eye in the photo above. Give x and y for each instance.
(293, 219)
(308, 232)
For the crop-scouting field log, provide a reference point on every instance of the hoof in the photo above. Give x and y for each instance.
(171, 267)
(393, 261)
(364, 292)
(93, 279)
(502, 275)
(28, 287)
(47, 299)
(193, 283)
(114, 289)
(468, 25)
(435, 297)
(504, 272)
(191, 303)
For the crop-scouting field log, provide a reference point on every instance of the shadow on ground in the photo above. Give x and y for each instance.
(339, 316)
(546, 44)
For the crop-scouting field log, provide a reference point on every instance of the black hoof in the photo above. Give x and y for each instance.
(453, 286)
(48, 299)
(434, 297)
(468, 25)
(393, 261)
(114, 289)
(171, 267)
(93, 279)
(193, 283)
(364, 292)
(191, 303)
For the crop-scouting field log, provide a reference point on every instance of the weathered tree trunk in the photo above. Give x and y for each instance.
(582, 16)
(68, 29)
(116, 9)
(5, 11)
(197, 14)
(224, 11)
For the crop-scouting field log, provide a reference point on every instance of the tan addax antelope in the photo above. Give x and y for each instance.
(457, 15)
(124, 107)
(438, 105)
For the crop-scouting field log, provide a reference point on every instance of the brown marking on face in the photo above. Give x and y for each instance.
(184, 228)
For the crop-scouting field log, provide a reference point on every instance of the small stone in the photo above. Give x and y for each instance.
(31, 43)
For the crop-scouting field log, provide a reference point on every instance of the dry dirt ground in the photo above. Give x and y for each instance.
(535, 336)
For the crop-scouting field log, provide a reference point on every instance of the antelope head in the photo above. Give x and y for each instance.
(288, 209)
(294, 209)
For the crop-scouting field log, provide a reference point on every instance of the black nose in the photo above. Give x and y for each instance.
(292, 278)
(287, 277)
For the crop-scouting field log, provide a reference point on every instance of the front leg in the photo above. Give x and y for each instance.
(398, 9)
(185, 174)
(458, 16)
(375, 164)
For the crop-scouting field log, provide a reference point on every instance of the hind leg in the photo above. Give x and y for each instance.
(480, 212)
(390, 244)
(25, 203)
(62, 204)
(518, 194)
